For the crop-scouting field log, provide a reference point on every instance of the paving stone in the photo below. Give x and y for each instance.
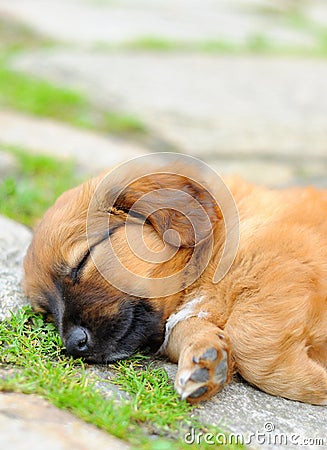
(101, 376)
(92, 152)
(28, 422)
(245, 109)
(318, 13)
(14, 239)
(182, 20)
(263, 114)
(263, 421)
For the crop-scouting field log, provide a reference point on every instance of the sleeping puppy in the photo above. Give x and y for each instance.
(220, 276)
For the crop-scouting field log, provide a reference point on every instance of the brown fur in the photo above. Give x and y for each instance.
(267, 317)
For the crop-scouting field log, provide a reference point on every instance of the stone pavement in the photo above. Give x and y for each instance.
(243, 409)
(92, 152)
(14, 239)
(264, 118)
(107, 21)
(28, 422)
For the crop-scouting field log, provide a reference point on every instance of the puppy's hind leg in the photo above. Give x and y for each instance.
(294, 376)
(204, 360)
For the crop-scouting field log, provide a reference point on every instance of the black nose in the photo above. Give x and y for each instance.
(77, 341)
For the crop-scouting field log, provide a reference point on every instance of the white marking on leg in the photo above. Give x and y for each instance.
(185, 313)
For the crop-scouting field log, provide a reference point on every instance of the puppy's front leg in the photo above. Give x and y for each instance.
(204, 360)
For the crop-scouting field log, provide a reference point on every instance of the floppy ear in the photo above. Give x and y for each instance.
(182, 211)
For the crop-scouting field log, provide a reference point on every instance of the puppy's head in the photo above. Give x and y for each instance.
(109, 260)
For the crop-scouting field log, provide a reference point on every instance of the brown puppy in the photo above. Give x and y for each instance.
(266, 317)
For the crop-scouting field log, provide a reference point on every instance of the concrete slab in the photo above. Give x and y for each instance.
(266, 111)
(259, 420)
(202, 103)
(28, 422)
(91, 151)
(14, 239)
(107, 21)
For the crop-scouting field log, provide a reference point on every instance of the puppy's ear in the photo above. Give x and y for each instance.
(181, 210)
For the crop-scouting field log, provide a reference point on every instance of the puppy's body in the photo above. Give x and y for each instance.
(266, 318)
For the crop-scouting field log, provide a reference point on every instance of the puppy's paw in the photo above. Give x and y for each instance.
(203, 370)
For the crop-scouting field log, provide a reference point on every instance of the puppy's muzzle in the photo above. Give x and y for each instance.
(78, 342)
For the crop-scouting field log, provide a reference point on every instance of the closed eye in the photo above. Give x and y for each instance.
(76, 272)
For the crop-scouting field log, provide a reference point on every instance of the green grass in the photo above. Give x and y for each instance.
(28, 94)
(123, 123)
(258, 44)
(149, 387)
(160, 44)
(153, 43)
(33, 348)
(39, 180)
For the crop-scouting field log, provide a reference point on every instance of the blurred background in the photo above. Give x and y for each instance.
(84, 84)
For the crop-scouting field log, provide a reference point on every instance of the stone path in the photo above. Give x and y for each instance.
(242, 409)
(106, 21)
(14, 239)
(263, 118)
(92, 152)
(206, 105)
(28, 422)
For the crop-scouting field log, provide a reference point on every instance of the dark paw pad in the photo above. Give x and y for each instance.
(202, 390)
(210, 354)
(200, 375)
